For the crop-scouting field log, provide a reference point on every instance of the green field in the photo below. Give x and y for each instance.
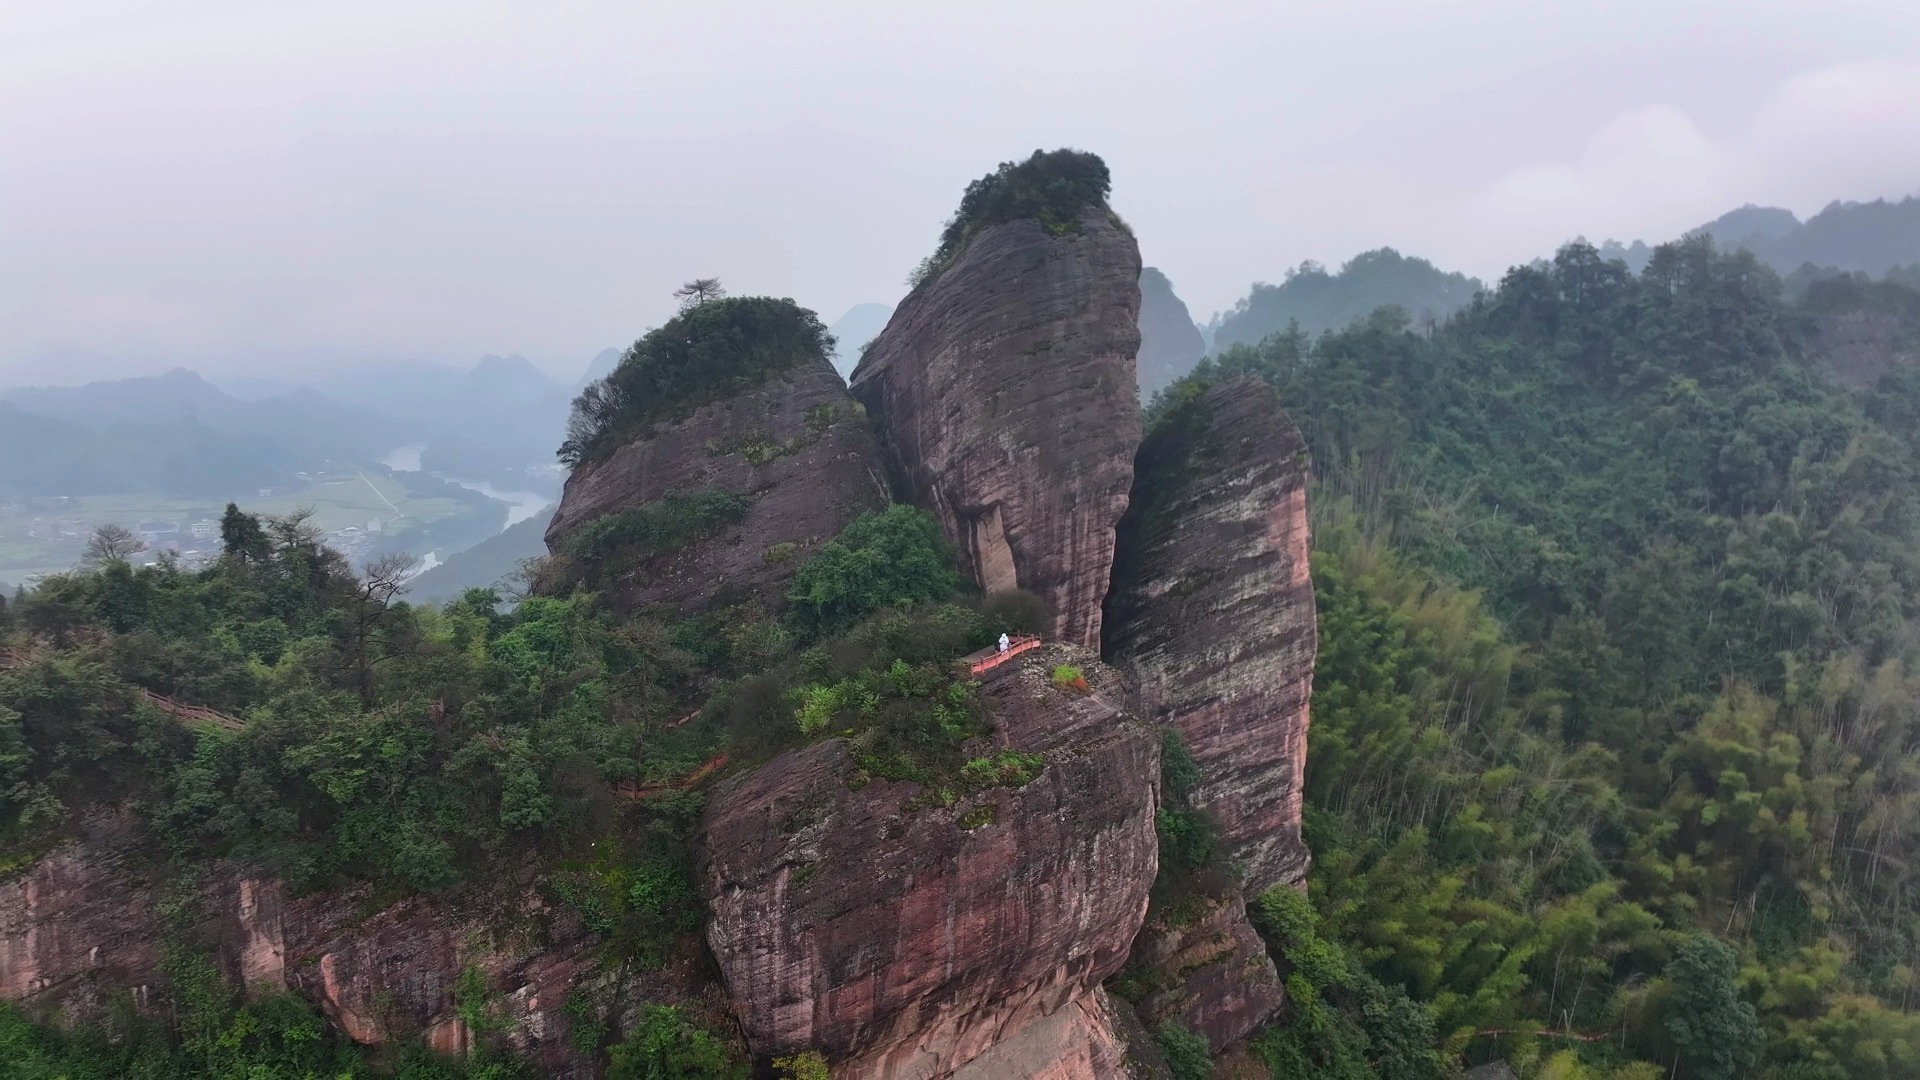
(336, 503)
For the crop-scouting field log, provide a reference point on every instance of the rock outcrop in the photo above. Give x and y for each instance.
(1005, 395)
(85, 926)
(1212, 613)
(907, 939)
(796, 447)
(1170, 344)
(1208, 972)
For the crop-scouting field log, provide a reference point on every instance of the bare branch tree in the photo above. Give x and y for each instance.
(111, 544)
(699, 291)
(380, 582)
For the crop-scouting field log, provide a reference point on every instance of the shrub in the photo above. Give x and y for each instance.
(811, 1065)
(1069, 677)
(1052, 187)
(703, 354)
(658, 528)
(1016, 612)
(665, 1045)
(1007, 768)
(890, 557)
(1186, 1051)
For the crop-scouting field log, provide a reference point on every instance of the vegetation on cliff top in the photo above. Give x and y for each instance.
(1052, 187)
(1612, 719)
(711, 350)
(419, 748)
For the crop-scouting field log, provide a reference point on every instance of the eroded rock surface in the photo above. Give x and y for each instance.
(84, 928)
(796, 447)
(1005, 395)
(1208, 972)
(1212, 613)
(857, 920)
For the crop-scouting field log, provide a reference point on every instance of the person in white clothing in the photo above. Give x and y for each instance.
(1004, 643)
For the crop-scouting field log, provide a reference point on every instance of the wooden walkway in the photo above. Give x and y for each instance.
(627, 789)
(190, 715)
(979, 663)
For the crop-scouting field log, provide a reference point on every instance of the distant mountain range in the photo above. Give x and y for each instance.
(1878, 238)
(851, 332)
(180, 434)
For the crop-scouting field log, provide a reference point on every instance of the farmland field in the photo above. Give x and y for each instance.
(352, 500)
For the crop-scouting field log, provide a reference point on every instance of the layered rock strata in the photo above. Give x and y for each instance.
(1005, 396)
(1212, 613)
(906, 939)
(796, 448)
(1209, 973)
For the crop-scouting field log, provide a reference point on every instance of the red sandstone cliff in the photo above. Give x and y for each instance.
(1212, 612)
(1005, 396)
(903, 943)
(796, 447)
(86, 923)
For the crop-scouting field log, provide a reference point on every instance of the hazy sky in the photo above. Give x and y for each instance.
(241, 186)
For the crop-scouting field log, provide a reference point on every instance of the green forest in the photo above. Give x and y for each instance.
(1611, 770)
(1612, 758)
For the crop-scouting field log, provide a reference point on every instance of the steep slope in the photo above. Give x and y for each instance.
(719, 502)
(905, 936)
(1005, 397)
(1170, 344)
(1212, 612)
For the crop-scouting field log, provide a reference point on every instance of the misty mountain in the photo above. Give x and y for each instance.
(506, 381)
(485, 564)
(1170, 344)
(851, 332)
(1319, 301)
(599, 367)
(47, 455)
(1877, 238)
(305, 425)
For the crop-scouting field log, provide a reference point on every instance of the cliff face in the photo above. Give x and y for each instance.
(1170, 344)
(1212, 612)
(796, 448)
(85, 925)
(908, 940)
(1006, 400)
(1209, 973)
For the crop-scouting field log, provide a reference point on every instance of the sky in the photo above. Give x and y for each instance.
(270, 189)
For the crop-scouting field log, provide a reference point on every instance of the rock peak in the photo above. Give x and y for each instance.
(1006, 403)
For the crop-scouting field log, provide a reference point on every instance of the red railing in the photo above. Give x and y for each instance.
(186, 714)
(991, 657)
(629, 790)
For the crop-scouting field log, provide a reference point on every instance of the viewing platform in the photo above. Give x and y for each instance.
(979, 663)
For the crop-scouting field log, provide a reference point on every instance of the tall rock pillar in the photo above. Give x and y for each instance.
(1212, 612)
(1006, 402)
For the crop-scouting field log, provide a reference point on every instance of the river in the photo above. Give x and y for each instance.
(521, 505)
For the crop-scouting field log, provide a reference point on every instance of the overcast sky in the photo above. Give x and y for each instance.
(275, 186)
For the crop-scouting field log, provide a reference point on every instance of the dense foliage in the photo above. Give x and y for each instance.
(705, 353)
(1053, 187)
(360, 738)
(1611, 766)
